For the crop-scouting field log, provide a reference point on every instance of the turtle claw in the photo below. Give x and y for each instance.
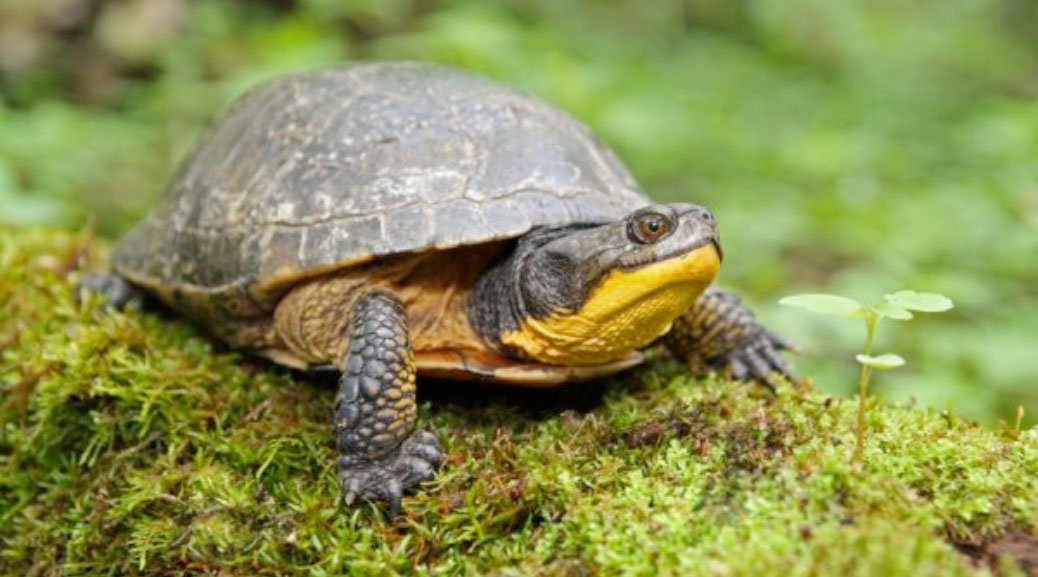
(387, 479)
(759, 359)
(780, 343)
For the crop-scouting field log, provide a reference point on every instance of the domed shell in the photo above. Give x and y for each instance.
(330, 168)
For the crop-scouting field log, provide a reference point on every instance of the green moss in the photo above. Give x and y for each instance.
(132, 444)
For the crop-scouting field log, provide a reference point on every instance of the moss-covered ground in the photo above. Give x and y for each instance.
(132, 444)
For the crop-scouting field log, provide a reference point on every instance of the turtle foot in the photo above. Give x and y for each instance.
(719, 334)
(118, 292)
(387, 479)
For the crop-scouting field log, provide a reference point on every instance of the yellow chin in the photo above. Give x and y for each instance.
(627, 310)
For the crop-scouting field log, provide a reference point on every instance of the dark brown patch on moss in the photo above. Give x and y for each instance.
(750, 441)
(1020, 547)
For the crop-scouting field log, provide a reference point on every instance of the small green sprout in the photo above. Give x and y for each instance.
(898, 306)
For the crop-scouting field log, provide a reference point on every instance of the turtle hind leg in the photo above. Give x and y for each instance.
(718, 333)
(119, 293)
(381, 454)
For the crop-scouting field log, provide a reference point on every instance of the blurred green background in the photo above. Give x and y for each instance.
(855, 147)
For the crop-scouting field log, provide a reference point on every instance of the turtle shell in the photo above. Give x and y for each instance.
(331, 168)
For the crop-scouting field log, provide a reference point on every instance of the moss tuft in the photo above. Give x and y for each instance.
(131, 444)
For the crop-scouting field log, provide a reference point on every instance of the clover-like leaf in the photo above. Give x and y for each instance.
(825, 304)
(892, 311)
(922, 302)
(882, 362)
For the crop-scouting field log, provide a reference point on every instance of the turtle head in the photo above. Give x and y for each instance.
(590, 293)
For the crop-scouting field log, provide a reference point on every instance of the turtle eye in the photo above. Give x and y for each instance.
(649, 227)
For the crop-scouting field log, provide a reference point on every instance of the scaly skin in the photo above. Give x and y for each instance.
(381, 455)
(718, 333)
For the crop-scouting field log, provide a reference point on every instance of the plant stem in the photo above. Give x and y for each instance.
(871, 319)
(863, 388)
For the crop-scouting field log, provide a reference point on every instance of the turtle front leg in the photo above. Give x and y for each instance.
(118, 292)
(718, 333)
(381, 454)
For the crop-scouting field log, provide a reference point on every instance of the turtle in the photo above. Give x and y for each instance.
(396, 219)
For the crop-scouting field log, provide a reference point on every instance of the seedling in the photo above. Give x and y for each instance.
(898, 306)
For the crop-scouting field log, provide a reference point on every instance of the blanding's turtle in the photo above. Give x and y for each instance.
(397, 219)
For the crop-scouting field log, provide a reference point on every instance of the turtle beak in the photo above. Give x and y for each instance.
(717, 244)
(706, 226)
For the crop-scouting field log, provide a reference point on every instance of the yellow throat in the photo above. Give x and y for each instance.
(627, 310)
